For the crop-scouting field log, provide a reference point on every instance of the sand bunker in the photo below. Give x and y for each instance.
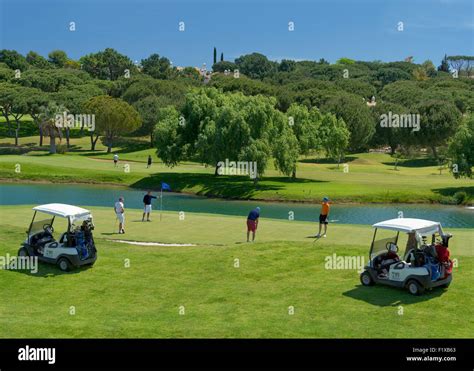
(141, 243)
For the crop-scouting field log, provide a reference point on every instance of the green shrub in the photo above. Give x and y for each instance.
(461, 198)
(13, 150)
(447, 200)
(61, 149)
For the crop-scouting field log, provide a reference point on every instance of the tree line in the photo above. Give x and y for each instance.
(277, 110)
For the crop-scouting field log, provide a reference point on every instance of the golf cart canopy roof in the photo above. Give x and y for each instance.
(63, 210)
(423, 227)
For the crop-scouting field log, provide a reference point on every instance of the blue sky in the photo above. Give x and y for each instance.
(362, 30)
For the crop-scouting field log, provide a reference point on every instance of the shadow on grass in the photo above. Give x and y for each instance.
(450, 191)
(14, 150)
(12, 145)
(120, 146)
(384, 296)
(416, 162)
(241, 187)
(128, 144)
(326, 160)
(50, 270)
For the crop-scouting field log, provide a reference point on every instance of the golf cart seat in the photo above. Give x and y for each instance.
(387, 258)
(67, 238)
(388, 261)
(416, 257)
(41, 238)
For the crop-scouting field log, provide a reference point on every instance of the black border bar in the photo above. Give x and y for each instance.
(135, 354)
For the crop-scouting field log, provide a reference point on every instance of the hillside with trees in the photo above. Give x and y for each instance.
(251, 108)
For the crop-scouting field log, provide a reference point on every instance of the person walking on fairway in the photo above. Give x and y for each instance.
(120, 213)
(115, 160)
(148, 164)
(323, 217)
(252, 223)
(147, 206)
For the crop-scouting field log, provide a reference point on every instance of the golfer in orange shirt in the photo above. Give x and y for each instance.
(323, 217)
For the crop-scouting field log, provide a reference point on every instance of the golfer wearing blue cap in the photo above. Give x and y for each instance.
(323, 217)
(252, 223)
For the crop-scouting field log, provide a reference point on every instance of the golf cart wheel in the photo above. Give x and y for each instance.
(415, 288)
(64, 265)
(23, 252)
(366, 279)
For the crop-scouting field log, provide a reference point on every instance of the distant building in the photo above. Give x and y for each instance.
(372, 102)
(203, 72)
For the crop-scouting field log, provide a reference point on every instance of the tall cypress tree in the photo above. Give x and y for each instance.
(215, 55)
(444, 67)
(222, 57)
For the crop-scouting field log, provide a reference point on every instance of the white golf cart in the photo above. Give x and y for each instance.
(423, 265)
(74, 248)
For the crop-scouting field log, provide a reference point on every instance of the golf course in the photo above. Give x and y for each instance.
(231, 184)
(281, 146)
(222, 287)
(193, 275)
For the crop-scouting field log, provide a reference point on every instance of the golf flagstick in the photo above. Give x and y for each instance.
(161, 202)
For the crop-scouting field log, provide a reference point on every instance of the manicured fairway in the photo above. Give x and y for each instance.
(284, 268)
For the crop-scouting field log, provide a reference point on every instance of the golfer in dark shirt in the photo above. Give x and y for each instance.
(147, 206)
(252, 223)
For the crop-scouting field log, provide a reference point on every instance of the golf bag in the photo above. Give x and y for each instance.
(430, 251)
(81, 245)
(443, 258)
(433, 267)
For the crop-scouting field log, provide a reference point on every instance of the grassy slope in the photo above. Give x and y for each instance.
(284, 268)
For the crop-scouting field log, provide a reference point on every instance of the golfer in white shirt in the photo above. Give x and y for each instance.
(120, 213)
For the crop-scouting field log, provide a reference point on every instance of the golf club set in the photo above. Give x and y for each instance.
(434, 257)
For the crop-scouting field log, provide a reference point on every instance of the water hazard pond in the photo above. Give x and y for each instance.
(86, 195)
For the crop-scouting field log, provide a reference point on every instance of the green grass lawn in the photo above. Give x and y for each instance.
(284, 268)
